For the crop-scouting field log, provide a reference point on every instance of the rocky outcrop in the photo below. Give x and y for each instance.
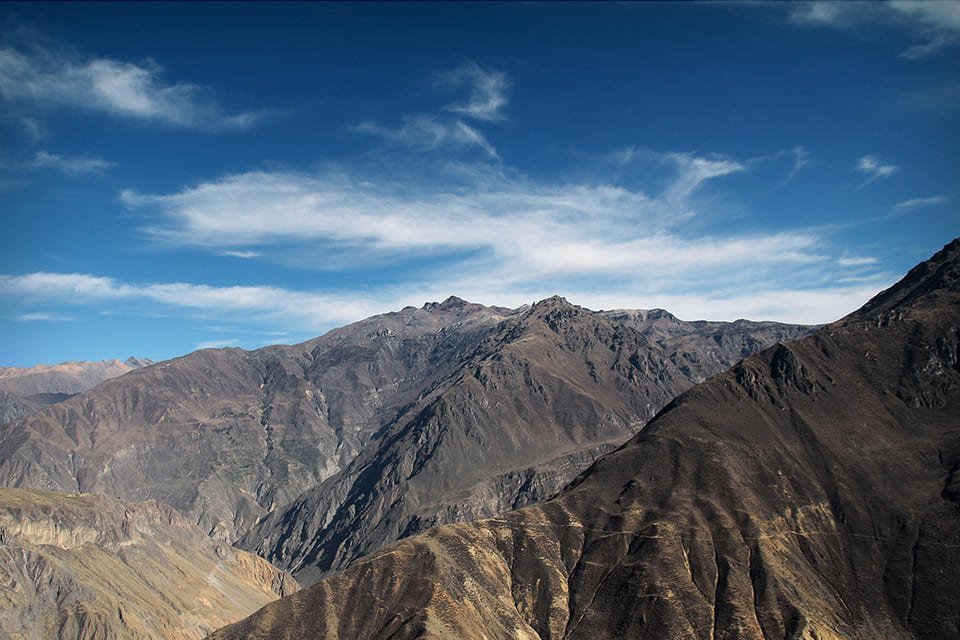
(85, 567)
(810, 492)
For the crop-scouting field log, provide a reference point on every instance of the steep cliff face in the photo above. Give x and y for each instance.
(810, 492)
(81, 566)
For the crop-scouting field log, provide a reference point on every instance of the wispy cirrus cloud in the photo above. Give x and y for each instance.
(857, 261)
(69, 165)
(489, 216)
(936, 23)
(488, 91)
(801, 160)
(428, 133)
(913, 203)
(242, 254)
(36, 75)
(938, 20)
(431, 132)
(262, 303)
(44, 317)
(820, 13)
(874, 169)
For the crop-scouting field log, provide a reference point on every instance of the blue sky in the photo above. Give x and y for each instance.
(176, 176)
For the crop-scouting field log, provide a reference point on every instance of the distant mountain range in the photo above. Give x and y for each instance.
(317, 453)
(25, 390)
(812, 491)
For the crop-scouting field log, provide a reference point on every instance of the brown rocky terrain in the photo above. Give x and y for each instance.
(85, 567)
(813, 491)
(377, 430)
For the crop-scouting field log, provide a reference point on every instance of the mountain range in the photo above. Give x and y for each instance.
(317, 453)
(812, 491)
(24, 390)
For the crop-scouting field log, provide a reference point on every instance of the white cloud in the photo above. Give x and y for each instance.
(245, 255)
(70, 165)
(819, 12)
(695, 171)
(488, 91)
(44, 317)
(874, 169)
(938, 20)
(935, 22)
(913, 203)
(801, 159)
(856, 261)
(493, 221)
(260, 303)
(47, 78)
(429, 133)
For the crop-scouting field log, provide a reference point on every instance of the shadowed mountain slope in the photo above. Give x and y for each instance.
(813, 491)
(81, 566)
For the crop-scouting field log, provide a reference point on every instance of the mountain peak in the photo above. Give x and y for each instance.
(453, 302)
(933, 282)
(553, 302)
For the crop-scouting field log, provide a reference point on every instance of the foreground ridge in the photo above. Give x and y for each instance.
(813, 491)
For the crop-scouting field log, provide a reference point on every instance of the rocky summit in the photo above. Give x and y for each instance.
(315, 454)
(813, 491)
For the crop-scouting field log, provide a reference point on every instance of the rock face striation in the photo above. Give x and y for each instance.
(81, 566)
(317, 453)
(813, 491)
